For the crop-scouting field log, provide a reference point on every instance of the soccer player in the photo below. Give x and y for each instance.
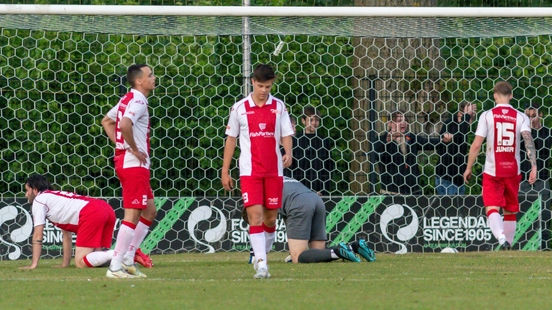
(93, 220)
(503, 126)
(262, 123)
(127, 125)
(305, 216)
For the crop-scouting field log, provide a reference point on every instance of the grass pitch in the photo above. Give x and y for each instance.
(486, 280)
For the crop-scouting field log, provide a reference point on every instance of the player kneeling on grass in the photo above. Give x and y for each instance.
(305, 216)
(93, 220)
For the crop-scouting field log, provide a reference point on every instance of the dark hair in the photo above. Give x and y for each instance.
(503, 88)
(134, 72)
(263, 73)
(309, 111)
(39, 182)
(463, 105)
(396, 114)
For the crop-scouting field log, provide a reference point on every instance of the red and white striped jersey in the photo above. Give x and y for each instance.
(502, 126)
(259, 130)
(61, 208)
(133, 105)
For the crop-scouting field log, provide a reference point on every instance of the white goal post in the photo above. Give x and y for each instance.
(275, 11)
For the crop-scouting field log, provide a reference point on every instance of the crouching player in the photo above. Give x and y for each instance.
(93, 220)
(305, 216)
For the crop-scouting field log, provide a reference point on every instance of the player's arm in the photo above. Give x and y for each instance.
(472, 156)
(108, 125)
(531, 155)
(287, 143)
(229, 148)
(67, 248)
(125, 125)
(37, 246)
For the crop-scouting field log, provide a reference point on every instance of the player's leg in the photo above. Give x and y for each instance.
(299, 227)
(147, 217)
(510, 209)
(296, 247)
(493, 198)
(273, 188)
(92, 257)
(96, 223)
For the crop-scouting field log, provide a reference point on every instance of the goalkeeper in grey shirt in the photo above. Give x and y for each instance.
(305, 215)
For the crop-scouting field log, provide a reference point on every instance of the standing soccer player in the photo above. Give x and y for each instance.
(127, 125)
(93, 220)
(262, 122)
(503, 126)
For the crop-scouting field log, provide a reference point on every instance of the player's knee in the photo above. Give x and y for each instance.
(79, 263)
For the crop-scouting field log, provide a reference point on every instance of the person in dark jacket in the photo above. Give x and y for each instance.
(312, 164)
(396, 152)
(449, 179)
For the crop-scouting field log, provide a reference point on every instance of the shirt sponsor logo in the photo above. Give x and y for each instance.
(262, 134)
(248, 113)
(506, 117)
(273, 201)
(505, 149)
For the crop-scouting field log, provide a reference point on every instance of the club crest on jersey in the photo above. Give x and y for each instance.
(262, 126)
(275, 111)
(504, 111)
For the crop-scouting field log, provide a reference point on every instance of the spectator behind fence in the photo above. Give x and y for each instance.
(503, 127)
(396, 152)
(452, 156)
(312, 165)
(542, 137)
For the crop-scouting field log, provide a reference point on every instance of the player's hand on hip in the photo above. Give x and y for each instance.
(287, 160)
(141, 156)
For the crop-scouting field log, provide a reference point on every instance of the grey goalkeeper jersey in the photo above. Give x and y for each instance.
(293, 189)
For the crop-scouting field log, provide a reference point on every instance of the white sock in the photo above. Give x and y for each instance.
(510, 230)
(269, 239)
(98, 258)
(140, 234)
(496, 224)
(258, 243)
(334, 256)
(124, 237)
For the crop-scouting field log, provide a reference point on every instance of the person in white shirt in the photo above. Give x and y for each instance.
(93, 220)
(127, 125)
(502, 126)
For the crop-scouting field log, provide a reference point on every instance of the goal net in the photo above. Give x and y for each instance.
(63, 67)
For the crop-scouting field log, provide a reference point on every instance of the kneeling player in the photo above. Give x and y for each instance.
(93, 220)
(305, 216)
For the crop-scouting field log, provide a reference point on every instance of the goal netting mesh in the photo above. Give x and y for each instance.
(61, 73)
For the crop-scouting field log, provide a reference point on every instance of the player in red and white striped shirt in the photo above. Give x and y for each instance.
(93, 220)
(503, 126)
(262, 123)
(127, 125)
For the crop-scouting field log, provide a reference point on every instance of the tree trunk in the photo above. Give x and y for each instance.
(387, 67)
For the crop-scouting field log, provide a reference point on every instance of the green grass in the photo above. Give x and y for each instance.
(486, 280)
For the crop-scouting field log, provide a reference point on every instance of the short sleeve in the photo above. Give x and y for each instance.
(233, 126)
